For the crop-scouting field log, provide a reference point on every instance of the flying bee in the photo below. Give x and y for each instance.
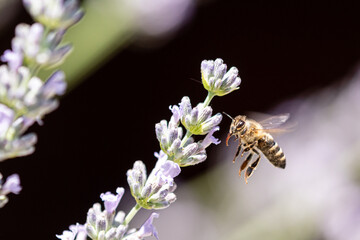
(254, 137)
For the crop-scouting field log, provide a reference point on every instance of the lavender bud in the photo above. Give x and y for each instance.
(120, 231)
(100, 225)
(91, 231)
(215, 78)
(101, 235)
(211, 123)
(109, 235)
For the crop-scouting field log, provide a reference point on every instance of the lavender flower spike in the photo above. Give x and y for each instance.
(216, 79)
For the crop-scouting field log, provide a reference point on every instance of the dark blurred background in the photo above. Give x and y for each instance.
(282, 49)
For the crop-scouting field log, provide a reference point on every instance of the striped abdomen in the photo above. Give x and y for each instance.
(272, 151)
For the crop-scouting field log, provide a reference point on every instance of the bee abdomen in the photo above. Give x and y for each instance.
(272, 151)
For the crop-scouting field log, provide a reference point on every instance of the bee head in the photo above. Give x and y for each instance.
(238, 124)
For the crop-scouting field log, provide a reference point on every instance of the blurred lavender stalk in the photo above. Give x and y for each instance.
(24, 97)
(114, 24)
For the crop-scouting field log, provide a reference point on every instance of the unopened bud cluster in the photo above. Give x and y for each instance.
(105, 224)
(156, 190)
(216, 79)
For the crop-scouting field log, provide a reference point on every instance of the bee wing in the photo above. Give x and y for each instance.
(274, 122)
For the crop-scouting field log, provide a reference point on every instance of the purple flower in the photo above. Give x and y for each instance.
(198, 120)
(11, 185)
(77, 232)
(13, 58)
(175, 118)
(55, 85)
(209, 139)
(167, 172)
(148, 229)
(154, 191)
(27, 39)
(111, 201)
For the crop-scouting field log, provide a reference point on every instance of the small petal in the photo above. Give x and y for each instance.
(170, 169)
(111, 201)
(148, 229)
(14, 59)
(12, 185)
(55, 85)
(209, 139)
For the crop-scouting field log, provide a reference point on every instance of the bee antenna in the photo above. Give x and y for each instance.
(228, 115)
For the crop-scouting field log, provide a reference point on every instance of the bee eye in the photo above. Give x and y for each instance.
(240, 124)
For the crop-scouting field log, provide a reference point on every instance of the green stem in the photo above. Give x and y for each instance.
(131, 214)
(187, 136)
(208, 99)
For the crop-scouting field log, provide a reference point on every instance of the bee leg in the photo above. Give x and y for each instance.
(248, 147)
(245, 149)
(245, 163)
(250, 170)
(237, 153)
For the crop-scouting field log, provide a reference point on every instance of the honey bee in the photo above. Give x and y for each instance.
(254, 137)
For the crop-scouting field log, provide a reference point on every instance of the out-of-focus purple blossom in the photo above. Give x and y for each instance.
(29, 95)
(11, 185)
(20, 146)
(13, 58)
(54, 13)
(146, 230)
(28, 39)
(217, 80)
(28, 98)
(32, 46)
(55, 85)
(12, 144)
(159, 17)
(111, 201)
